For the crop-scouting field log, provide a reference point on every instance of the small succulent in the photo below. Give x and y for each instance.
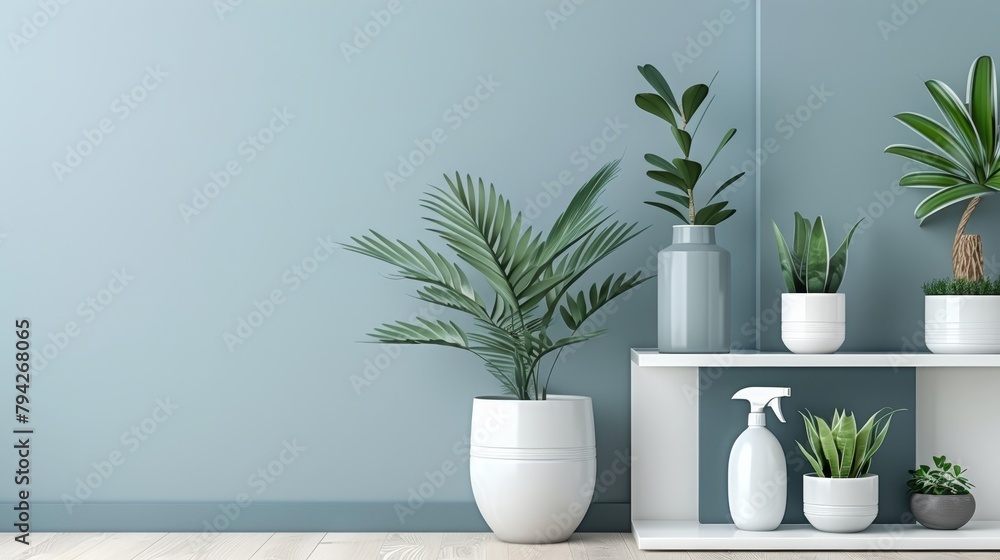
(807, 265)
(944, 480)
(841, 450)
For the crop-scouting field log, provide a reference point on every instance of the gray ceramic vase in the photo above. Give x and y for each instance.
(693, 308)
(942, 512)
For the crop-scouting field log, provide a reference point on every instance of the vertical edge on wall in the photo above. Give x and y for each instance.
(757, 225)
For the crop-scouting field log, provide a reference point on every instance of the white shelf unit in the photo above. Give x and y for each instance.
(954, 392)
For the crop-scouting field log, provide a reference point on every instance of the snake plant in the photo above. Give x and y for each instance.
(966, 163)
(841, 450)
(807, 265)
(531, 276)
(682, 174)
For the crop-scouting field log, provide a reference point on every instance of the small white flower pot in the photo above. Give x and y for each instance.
(813, 323)
(533, 466)
(962, 324)
(840, 505)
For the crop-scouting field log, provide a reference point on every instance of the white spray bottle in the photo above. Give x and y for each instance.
(757, 474)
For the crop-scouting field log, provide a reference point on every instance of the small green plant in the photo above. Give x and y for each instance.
(807, 265)
(683, 174)
(530, 276)
(966, 163)
(944, 480)
(962, 287)
(839, 449)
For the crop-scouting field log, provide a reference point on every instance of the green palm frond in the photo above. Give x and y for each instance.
(528, 272)
(965, 156)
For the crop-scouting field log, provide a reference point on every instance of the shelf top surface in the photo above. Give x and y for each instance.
(653, 358)
(690, 535)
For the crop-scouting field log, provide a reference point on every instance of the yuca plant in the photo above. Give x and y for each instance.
(839, 449)
(807, 265)
(683, 174)
(530, 275)
(944, 480)
(966, 165)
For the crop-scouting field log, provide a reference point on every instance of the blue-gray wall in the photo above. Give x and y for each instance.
(134, 270)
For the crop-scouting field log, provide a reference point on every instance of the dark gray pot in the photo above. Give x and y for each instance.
(942, 512)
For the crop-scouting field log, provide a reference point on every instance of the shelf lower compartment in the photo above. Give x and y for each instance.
(691, 535)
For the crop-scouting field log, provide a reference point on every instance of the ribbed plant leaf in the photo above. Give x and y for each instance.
(690, 171)
(663, 164)
(678, 198)
(719, 217)
(930, 179)
(942, 138)
(982, 101)
(925, 157)
(817, 260)
(725, 140)
(800, 246)
(426, 332)
(958, 117)
(683, 140)
(847, 431)
(669, 178)
(827, 443)
(946, 197)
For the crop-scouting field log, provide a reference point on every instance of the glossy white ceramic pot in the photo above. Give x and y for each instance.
(962, 324)
(533, 466)
(813, 323)
(840, 505)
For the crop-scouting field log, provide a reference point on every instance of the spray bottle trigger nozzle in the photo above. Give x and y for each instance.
(775, 405)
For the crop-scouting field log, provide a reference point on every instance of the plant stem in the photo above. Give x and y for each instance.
(691, 212)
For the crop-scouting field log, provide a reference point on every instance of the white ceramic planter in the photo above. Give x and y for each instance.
(962, 324)
(533, 466)
(840, 505)
(813, 323)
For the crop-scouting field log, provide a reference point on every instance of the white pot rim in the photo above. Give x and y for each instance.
(817, 294)
(963, 296)
(814, 475)
(692, 226)
(562, 398)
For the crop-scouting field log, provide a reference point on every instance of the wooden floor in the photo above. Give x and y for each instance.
(384, 546)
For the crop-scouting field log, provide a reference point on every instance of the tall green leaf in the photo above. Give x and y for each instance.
(692, 99)
(955, 112)
(655, 105)
(683, 140)
(920, 155)
(982, 101)
(943, 139)
(817, 261)
(929, 179)
(946, 197)
(785, 259)
(726, 184)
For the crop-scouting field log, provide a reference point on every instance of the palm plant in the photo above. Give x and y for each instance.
(530, 274)
(841, 450)
(808, 266)
(966, 166)
(683, 174)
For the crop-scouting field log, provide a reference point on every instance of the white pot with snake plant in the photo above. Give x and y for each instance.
(962, 313)
(533, 458)
(841, 495)
(813, 314)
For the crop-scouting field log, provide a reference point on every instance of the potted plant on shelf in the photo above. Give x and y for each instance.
(693, 309)
(941, 497)
(533, 458)
(842, 496)
(813, 314)
(961, 315)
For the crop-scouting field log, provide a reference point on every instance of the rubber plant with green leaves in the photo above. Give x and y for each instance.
(840, 449)
(531, 276)
(945, 479)
(807, 265)
(683, 174)
(966, 163)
